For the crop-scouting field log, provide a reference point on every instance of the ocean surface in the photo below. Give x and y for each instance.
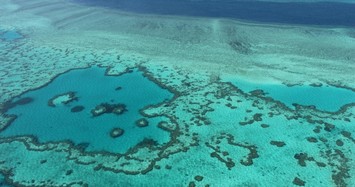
(177, 93)
(302, 13)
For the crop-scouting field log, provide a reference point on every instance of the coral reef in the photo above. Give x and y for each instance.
(64, 98)
(142, 122)
(116, 132)
(106, 108)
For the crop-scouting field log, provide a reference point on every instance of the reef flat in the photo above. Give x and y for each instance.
(217, 134)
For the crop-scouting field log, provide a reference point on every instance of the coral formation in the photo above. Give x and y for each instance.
(106, 108)
(142, 122)
(116, 132)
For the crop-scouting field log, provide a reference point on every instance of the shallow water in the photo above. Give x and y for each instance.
(2, 182)
(9, 35)
(62, 63)
(327, 98)
(92, 88)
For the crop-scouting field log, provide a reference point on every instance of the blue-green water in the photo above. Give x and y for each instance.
(220, 138)
(3, 182)
(92, 88)
(326, 98)
(9, 35)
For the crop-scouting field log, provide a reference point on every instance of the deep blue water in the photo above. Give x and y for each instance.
(317, 13)
(92, 88)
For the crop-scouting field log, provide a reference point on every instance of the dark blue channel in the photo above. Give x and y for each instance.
(316, 13)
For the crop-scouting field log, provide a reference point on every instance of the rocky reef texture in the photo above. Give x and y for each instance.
(142, 122)
(205, 121)
(116, 132)
(106, 108)
(217, 130)
(78, 108)
(62, 99)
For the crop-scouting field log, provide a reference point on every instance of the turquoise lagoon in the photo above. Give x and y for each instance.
(325, 97)
(92, 88)
(219, 135)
